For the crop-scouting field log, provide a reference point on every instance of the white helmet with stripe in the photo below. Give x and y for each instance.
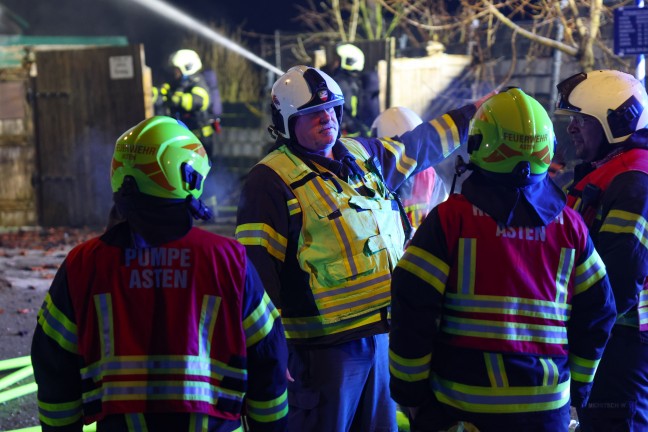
(616, 99)
(302, 90)
(395, 121)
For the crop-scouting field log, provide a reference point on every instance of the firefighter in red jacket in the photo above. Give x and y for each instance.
(610, 190)
(501, 307)
(157, 325)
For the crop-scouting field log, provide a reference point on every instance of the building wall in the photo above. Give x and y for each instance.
(415, 82)
(17, 151)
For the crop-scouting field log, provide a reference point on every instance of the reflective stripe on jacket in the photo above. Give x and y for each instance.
(586, 200)
(417, 193)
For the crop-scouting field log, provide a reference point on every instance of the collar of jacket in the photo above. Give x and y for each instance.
(534, 205)
(343, 164)
(639, 139)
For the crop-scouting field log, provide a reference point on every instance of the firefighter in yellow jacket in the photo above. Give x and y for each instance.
(187, 97)
(324, 229)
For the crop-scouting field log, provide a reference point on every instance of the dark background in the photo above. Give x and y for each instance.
(140, 24)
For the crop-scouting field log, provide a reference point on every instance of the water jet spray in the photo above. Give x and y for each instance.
(182, 18)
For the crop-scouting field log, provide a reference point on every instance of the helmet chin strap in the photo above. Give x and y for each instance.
(460, 168)
(274, 134)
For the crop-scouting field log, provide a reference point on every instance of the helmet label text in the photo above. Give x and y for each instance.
(524, 139)
(129, 151)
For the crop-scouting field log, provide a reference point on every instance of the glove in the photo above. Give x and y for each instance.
(176, 98)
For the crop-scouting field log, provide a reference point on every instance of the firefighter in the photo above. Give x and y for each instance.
(192, 96)
(350, 77)
(423, 191)
(323, 228)
(186, 96)
(609, 117)
(500, 305)
(157, 325)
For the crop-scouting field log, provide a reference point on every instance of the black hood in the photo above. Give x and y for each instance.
(154, 221)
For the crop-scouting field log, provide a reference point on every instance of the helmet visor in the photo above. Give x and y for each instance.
(564, 90)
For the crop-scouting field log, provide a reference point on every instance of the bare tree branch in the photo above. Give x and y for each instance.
(568, 49)
(338, 19)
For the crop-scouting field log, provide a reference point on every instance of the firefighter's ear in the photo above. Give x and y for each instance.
(474, 141)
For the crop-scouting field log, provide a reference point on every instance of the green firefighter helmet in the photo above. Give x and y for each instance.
(511, 133)
(163, 156)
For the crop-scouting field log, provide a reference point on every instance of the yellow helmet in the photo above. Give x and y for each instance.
(187, 61)
(351, 57)
(510, 132)
(163, 156)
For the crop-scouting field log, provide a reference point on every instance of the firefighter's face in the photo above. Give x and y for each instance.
(177, 74)
(317, 131)
(588, 137)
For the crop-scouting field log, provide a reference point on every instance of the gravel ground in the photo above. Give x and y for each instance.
(28, 261)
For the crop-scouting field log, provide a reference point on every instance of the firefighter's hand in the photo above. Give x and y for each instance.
(164, 92)
(176, 98)
(484, 98)
(289, 377)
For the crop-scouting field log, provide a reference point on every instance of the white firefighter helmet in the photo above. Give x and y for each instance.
(395, 121)
(187, 61)
(303, 90)
(351, 57)
(616, 99)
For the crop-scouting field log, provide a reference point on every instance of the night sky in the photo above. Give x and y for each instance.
(101, 16)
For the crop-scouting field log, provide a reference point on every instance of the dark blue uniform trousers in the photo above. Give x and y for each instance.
(341, 388)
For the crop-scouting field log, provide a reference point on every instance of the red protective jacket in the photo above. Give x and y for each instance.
(182, 328)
